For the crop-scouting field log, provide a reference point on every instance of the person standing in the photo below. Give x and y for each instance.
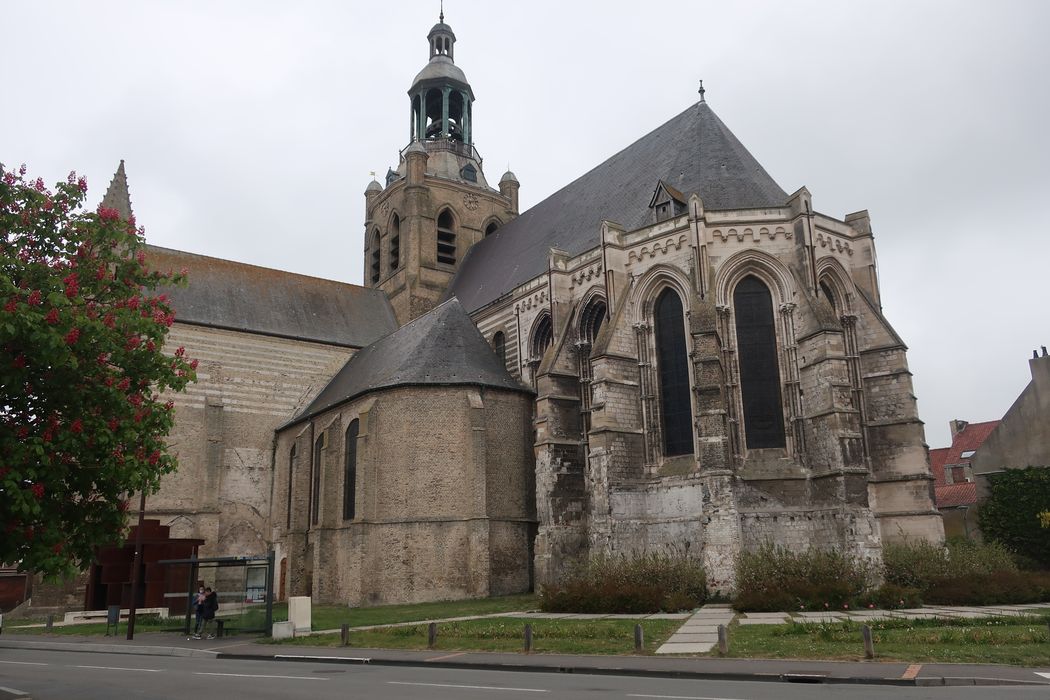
(198, 608)
(211, 606)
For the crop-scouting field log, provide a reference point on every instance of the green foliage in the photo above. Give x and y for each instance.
(1011, 513)
(82, 423)
(643, 583)
(773, 578)
(919, 564)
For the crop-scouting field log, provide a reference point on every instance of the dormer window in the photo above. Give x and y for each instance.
(469, 173)
(666, 203)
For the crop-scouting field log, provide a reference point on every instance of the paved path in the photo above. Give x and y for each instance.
(700, 632)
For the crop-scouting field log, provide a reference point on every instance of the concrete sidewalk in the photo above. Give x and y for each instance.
(167, 644)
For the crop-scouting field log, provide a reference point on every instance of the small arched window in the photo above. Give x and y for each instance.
(491, 228)
(759, 365)
(446, 238)
(499, 345)
(291, 479)
(315, 490)
(395, 243)
(350, 470)
(376, 254)
(592, 319)
(542, 336)
(673, 363)
(829, 295)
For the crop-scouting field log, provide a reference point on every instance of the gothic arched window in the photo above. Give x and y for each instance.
(395, 243)
(499, 345)
(315, 490)
(491, 228)
(446, 238)
(376, 253)
(591, 319)
(759, 367)
(673, 363)
(542, 336)
(291, 476)
(350, 470)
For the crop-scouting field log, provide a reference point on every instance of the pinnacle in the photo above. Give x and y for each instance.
(117, 196)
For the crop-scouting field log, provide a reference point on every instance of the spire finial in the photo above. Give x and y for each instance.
(701, 91)
(441, 16)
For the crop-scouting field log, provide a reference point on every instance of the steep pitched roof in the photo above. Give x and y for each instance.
(693, 152)
(236, 296)
(442, 347)
(955, 495)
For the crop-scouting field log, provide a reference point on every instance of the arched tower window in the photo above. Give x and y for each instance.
(592, 319)
(315, 490)
(291, 479)
(829, 295)
(759, 367)
(376, 254)
(395, 243)
(446, 238)
(542, 336)
(491, 228)
(350, 470)
(673, 363)
(499, 345)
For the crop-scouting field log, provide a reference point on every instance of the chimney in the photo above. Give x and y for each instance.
(1040, 366)
(957, 426)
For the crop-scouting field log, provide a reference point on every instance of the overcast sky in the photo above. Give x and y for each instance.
(249, 130)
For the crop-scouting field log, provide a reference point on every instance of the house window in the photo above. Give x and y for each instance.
(350, 471)
(542, 336)
(395, 243)
(672, 356)
(291, 478)
(315, 488)
(376, 252)
(759, 366)
(446, 238)
(499, 345)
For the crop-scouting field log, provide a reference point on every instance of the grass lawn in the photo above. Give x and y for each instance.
(1003, 640)
(143, 623)
(508, 634)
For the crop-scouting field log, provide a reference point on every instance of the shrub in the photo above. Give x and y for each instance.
(774, 578)
(643, 583)
(1011, 513)
(925, 566)
(890, 596)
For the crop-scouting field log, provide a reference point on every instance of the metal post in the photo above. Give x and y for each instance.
(344, 634)
(136, 565)
(192, 588)
(528, 639)
(432, 635)
(271, 558)
(639, 639)
(723, 640)
(869, 644)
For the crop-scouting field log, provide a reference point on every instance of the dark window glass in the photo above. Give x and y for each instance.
(350, 471)
(499, 344)
(446, 240)
(592, 320)
(759, 368)
(315, 489)
(491, 228)
(542, 336)
(673, 364)
(291, 479)
(395, 243)
(376, 252)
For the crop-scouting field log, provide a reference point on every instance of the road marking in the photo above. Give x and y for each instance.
(254, 675)
(1038, 673)
(25, 663)
(678, 697)
(912, 671)
(446, 656)
(12, 691)
(120, 668)
(469, 687)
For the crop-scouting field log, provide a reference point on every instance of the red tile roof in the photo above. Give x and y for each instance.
(954, 495)
(969, 438)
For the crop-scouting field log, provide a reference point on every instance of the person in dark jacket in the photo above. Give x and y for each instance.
(198, 608)
(211, 605)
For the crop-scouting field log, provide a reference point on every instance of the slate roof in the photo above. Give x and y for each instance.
(236, 296)
(442, 347)
(968, 439)
(693, 152)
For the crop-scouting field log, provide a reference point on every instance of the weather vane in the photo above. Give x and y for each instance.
(701, 91)
(441, 17)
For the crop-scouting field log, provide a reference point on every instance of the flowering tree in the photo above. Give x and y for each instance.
(82, 422)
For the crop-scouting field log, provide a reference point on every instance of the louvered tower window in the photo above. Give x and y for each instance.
(446, 238)
(395, 243)
(376, 253)
(350, 470)
(672, 356)
(759, 367)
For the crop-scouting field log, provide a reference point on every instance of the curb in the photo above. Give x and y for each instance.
(109, 649)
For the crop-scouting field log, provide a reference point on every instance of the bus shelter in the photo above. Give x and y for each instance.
(244, 586)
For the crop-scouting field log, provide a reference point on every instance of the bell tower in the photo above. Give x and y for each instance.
(437, 203)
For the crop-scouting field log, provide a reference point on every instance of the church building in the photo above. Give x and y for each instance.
(671, 351)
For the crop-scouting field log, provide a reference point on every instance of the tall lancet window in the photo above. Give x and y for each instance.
(673, 363)
(350, 470)
(759, 368)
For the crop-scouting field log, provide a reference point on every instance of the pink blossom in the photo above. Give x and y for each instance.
(73, 336)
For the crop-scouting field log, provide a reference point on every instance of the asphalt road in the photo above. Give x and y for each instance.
(54, 674)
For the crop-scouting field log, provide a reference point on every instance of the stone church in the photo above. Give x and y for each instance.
(671, 351)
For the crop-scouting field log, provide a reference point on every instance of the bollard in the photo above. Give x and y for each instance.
(432, 635)
(220, 629)
(869, 644)
(528, 639)
(639, 639)
(50, 621)
(723, 640)
(344, 634)
(1, 624)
